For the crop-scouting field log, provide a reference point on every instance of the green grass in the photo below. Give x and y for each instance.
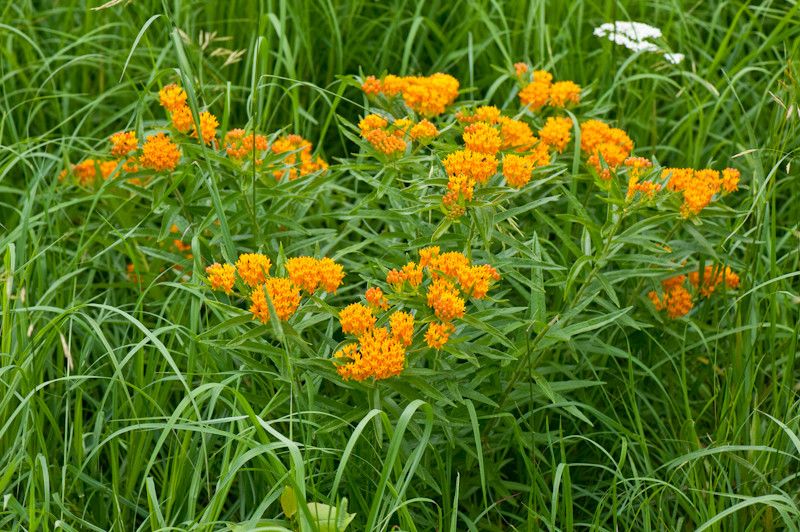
(566, 402)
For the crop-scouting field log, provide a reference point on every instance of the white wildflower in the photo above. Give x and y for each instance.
(635, 36)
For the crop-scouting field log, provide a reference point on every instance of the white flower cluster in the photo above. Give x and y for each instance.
(635, 36)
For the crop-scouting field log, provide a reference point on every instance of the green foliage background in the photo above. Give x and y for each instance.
(571, 404)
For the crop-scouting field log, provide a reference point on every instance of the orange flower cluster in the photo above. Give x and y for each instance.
(698, 187)
(606, 147)
(173, 99)
(310, 274)
(712, 276)
(222, 277)
(297, 157)
(305, 273)
(425, 95)
(676, 298)
(539, 89)
(123, 143)
(556, 132)
(636, 166)
(284, 295)
(239, 145)
(487, 134)
(390, 139)
(377, 353)
(159, 153)
(376, 298)
(88, 171)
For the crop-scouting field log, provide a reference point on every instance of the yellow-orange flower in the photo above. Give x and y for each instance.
(556, 132)
(445, 300)
(160, 153)
(520, 68)
(123, 143)
(208, 127)
(384, 142)
(378, 355)
(485, 113)
(676, 300)
(356, 319)
(375, 297)
(517, 170)
(460, 188)
(476, 166)
(371, 85)
(427, 255)
(423, 130)
(402, 326)
(712, 277)
(516, 134)
(475, 281)
(221, 277)
(730, 180)
(481, 137)
(370, 122)
(253, 268)
(411, 273)
(438, 334)
(535, 95)
(182, 119)
(172, 97)
(563, 93)
(448, 264)
(331, 274)
(284, 295)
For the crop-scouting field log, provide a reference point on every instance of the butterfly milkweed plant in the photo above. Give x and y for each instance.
(419, 266)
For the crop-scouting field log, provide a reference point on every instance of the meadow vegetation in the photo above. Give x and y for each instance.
(399, 265)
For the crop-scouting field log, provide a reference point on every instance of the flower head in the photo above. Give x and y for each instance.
(123, 143)
(438, 334)
(376, 298)
(172, 97)
(378, 355)
(556, 132)
(356, 319)
(563, 93)
(402, 326)
(253, 268)
(284, 295)
(221, 277)
(445, 300)
(160, 153)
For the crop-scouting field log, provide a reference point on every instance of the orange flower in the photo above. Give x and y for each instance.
(535, 95)
(646, 188)
(331, 274)
(160, 153)
(182, 119)
(172, 97)
(460, 188)
(371, 85)
(677, 301)
(563, 93)
(730, 180)
(517, 170)
(384, 142)
(520, 68)
(423, 130)
(637, 165)
(438, 334)
(445, 301)
(402, 326)
(370, 122)
(303, 272)
(427, 255)
(123, 143)
(476, 166)
(375, 297)
(712, 277)
(377, 354)
(448, 264)
(476, 280)
(253, 268)
(208, 127)
(516, 134)
(411, 273)
(356, 319)
(485, 113)
(284, 295)
(221, 277)
(482, 138)
(294, 146)
(556, 132)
